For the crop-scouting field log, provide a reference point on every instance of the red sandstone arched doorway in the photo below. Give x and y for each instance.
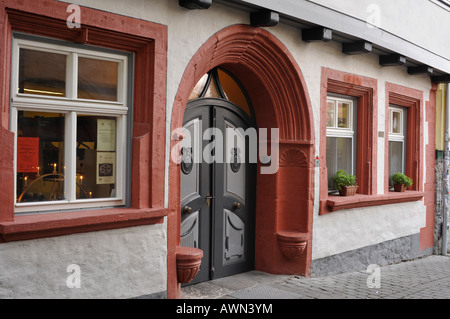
(284, 201)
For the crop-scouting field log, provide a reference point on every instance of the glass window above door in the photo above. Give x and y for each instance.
(221, 84)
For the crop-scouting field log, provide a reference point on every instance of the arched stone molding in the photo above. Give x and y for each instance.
(279, 96)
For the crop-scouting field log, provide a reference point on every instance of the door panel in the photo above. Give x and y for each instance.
(190, 182)
(195, 181)
(235, 168)
(234, 188)
(190, 231)
(217, 199)
(234, 237)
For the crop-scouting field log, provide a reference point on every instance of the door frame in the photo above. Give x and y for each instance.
(278, 92)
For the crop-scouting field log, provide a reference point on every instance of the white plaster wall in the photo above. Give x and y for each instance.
(188, 30)
(122, 263)
(356, 228)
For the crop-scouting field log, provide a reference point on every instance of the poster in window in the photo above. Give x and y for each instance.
(27, 154)
(106, 135)
(106, 167)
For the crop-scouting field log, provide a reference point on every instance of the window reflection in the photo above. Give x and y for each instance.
(97, 79)
(40, 157)
(96, 157)
(42, 73)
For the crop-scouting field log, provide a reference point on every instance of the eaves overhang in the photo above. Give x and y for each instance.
(348, 29)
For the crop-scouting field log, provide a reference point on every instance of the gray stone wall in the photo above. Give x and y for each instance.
(385, 253)
(439, 205)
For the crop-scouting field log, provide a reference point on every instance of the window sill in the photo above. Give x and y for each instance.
(56, 224)
(335, 203)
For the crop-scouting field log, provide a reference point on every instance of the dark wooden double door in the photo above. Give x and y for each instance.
(217, 196)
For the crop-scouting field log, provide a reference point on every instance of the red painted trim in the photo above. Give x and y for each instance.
(336, 203)
(276, 87)
(45, 225)
(427, 232)
(148, 41)
(365, 90)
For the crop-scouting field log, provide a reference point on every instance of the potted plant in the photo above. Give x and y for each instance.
(401, 182)
(345, 183)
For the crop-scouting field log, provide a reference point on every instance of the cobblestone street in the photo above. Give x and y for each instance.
(425, 278)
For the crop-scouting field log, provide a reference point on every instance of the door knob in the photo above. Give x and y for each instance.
(236, 205)
(187, 210)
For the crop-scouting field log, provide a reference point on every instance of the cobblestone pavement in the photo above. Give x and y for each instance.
(425, 278)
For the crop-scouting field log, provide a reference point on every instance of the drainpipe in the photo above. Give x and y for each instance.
(446, 170)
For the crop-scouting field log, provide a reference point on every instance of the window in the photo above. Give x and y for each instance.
(341, 137)
(403, 138)
(397, 140)
(69, 114)
(360, 94)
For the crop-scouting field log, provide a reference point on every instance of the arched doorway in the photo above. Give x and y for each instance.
(284, 201)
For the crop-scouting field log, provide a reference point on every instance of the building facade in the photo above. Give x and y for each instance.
(114, 114)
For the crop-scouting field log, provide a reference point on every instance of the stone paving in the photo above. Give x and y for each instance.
(424, 278)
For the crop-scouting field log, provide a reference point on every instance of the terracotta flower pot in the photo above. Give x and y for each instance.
(189, 260)
(292, 244)
(399, 187)
(348, 190)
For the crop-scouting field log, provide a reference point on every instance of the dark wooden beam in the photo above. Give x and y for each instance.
(264, 18)
(441, 78)
(358, 47)
(195, 4)
(317, 34)
(392, 59)
(421, 69)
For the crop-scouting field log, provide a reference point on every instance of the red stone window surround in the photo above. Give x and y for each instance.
(412, 100)
(364, 89)
(148, 42)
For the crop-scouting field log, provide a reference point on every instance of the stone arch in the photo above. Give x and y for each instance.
(279, 96)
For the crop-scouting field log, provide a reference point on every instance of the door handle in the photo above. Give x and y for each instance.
(208, 200)
(236, 205)
(187, 210)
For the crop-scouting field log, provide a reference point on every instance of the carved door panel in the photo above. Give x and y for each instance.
(195, 184)
(217, 198)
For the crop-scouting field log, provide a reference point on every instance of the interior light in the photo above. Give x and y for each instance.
(42, 92)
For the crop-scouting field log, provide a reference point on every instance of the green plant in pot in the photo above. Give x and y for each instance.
(345, 183)
(401, 182)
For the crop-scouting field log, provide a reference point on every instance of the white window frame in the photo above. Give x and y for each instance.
(70, 105)
(398, 137)
(349, 132)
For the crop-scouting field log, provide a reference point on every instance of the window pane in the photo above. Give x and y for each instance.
(343, 115)
(339, 156)
(395, 158)
(97, 79)
(40, 156)
(331, 116)
(96, 157)
(198, 88)
(396, 122)
(233, 91)
(42, 73)
(212, 90)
